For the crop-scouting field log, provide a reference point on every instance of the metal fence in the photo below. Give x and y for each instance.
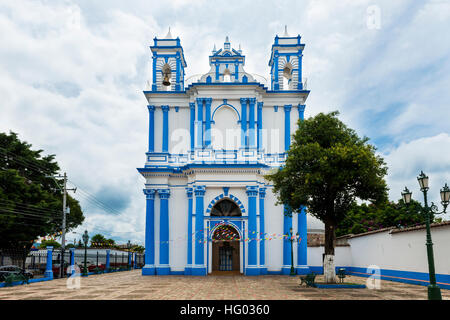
(35, 261)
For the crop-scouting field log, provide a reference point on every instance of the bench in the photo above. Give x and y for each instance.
(15, 277)
(341, 274)
(308, 279)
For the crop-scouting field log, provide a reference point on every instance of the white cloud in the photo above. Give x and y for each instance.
(71, 76)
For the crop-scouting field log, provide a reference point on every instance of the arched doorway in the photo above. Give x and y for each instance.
(225, 249)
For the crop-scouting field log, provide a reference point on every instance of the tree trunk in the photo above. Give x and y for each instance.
(329, 270)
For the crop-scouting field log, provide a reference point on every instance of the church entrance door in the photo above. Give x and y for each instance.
(225, 250)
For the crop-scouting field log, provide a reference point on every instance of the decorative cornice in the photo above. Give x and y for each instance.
(150, 193)
(189, 192)
(252, 191)
(199, 190)
(164, 193)
(262, 192)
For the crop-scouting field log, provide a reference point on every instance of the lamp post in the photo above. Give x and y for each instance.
(292, 237)
(434, 292)
(128, 261)
(85, 240)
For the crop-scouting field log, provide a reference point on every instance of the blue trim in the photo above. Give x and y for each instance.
(252, 260)
(302, 247)
(199, 232)
(192, 124)
(164, 195)
(151, 128)
(48, 270)
(287, 126)
(262, 232)
(287, 224)
(165, 133)
(150, 227)
(190, 207)
(208, 122)
(199, 123)
(244, 122)
(251, 124)
(228, 105)
(162, 271)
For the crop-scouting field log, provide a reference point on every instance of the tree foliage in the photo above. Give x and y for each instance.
(328, 167)
(30, 200)
(50, 243)
(369, 217)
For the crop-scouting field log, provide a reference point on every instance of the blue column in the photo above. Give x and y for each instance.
(188, 269)
(165, 142)
(163, 267)
(48, 270)
(149, 267)
(287, 224)
(108, 264)
(134, 260)
(301, 111)
(287, 126)
(208, 102)
(151, 128)
(252, 266)
(302, 246)
(251, 124)
(199, 123)
(277, 83)
(72, 260)
(192, 124)
(244, 122)
(154, 86)
(262, 232)
(200, 267)
(259, 125)
(129, 258)
(300, 81)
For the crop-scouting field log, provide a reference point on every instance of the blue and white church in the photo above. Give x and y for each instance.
(211, 141)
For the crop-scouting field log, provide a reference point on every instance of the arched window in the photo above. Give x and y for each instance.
(226, 208)
(287, 76)
(227, 76)
(166, 77)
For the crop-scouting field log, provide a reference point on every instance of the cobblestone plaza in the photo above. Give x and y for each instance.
(132, 285)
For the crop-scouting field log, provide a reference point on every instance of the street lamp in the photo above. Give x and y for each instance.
(292, 237)
(129, 247)
(85, 240)
(434, 292)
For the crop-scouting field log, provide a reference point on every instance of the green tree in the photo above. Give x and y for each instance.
(328, 167)
(364, 218)
(30, 201)
(99, 241)
(49, 243)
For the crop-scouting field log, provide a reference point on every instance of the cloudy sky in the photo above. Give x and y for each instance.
(72, 75)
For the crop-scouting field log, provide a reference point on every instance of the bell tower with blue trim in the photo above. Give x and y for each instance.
(168, 64)
(286, 63)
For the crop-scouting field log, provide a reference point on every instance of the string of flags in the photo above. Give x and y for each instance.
(227, 234)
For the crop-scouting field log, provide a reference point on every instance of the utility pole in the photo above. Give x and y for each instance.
(65, 211)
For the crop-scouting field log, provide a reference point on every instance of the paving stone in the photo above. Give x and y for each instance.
(132, 285)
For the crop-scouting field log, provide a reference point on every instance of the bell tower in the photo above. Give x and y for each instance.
(286, 63)
(168, 64)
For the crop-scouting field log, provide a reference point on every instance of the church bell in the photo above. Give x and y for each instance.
(166, 81)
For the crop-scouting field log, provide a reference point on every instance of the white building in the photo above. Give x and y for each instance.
(209, 207)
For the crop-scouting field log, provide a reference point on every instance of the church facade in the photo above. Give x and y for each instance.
(208, 207)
